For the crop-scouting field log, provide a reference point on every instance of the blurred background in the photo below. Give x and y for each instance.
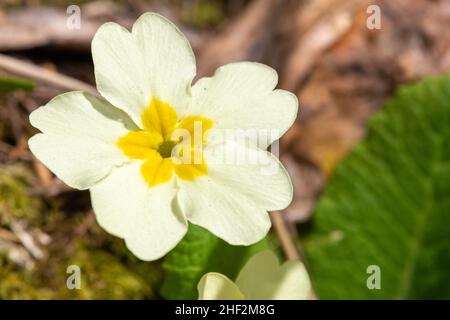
(342, 71)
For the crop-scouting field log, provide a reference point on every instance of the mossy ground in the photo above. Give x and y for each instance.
(108, 270)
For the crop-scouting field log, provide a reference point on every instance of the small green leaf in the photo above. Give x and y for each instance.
(388, 205)
(12, 84)
(198, 253)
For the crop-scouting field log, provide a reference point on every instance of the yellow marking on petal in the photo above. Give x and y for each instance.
(194, 123)
(190, 171)
(160, 117)
(157, 170)
(161, 146)
(139, 144)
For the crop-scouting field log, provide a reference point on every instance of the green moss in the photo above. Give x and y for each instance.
(13, 286)
(104, 276)
(108, 269)
(15, 181)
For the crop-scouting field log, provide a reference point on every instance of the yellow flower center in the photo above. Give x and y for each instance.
(165, 149)
(167, 144)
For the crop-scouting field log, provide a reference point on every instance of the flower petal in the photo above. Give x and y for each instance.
(197, 127)
(157, 170)
(159, 118)
(254, 173)
(154, 61)
(232, 200)
(139, 144)
(240, 95)
(262, 278)
(224, 212)
(216, 286)
(147, 218)
(79, 137)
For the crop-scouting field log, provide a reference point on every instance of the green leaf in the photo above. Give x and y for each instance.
(198, 253)
(12, 84)
(388, 204)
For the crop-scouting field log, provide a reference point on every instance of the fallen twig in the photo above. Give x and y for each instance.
(8, 235)
(317, 34)
(239, 38)
(283, 234)
(26, 239)
(43, 173)
(35, 72)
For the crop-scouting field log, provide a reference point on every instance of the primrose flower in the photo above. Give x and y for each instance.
(262, 278)
(126, 147)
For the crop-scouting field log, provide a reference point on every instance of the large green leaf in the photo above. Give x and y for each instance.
(388, 204)
(198, 253)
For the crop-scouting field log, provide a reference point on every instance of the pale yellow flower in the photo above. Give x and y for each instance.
(262, 278)
(121, 147)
